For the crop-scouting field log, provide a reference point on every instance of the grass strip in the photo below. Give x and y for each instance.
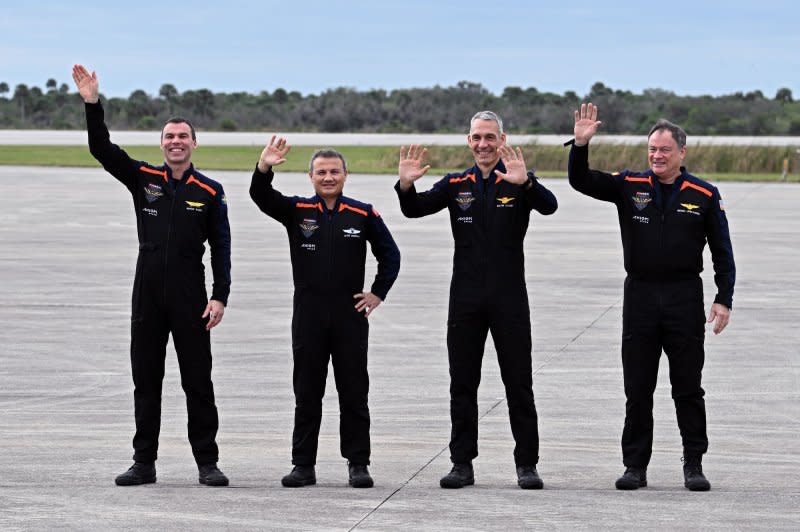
(550, 161)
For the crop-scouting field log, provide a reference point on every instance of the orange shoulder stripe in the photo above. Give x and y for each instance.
(201, 185)
(143, 168)
(343, 206)
(471, 177)
(309, 206)
(687, 184)
(648, 180)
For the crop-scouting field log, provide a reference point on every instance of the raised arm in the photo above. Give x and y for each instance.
(112, 157)
(270, 201)
(594, 183)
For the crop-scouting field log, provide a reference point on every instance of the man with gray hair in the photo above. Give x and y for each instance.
(328, 235)
(666, 216)
(489, 206)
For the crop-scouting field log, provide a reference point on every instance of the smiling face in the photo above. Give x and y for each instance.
(328, 176)
(664, 155)
(177, 143)
(484, 138)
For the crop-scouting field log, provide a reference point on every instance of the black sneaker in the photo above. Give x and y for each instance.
(693, 477)
(300, 476)
(461, 475)
(528, 478)
(138, 473)
(210, 475)
(358, 475)
(633, 478)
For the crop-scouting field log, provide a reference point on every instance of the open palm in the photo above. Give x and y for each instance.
(586, 123)
(274, 153)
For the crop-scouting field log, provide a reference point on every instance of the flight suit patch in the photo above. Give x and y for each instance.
(152, 192)
(505, 202)
(641, 199)
(464, 200)
(689, 208)
(308, 227)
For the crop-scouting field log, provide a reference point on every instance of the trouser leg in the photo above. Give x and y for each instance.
(193, 347)
(511, 332)
(683, 344)
(641, 350)
(310, 338)
(349, 358)
(466, 337)
(149, 334)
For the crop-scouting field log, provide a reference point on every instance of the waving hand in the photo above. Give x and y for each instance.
(410, 168)
(273, 154)
(87, 84)
(586, 123)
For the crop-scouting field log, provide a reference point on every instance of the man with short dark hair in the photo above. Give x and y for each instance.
(177, 209)
(666, 216)
(328, 235)
(490, 205)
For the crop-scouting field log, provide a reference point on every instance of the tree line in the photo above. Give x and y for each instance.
(425, 110)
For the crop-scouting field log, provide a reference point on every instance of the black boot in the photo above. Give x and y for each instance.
(300, 476)
(358, 476)
(528, 478)
(693, 477)
(210, 475)
(138, 473)
(461, 475)
(633, 478)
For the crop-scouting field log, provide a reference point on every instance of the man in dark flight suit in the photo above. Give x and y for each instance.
(489, 206)
(178, 209)
(666, 216)
(328, 235)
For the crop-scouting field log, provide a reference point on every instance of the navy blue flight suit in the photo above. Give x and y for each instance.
(489, 219)
(328, 252)
(174, 218)
(664, 230)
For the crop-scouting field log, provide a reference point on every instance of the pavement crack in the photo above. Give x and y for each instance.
(564, 347)
(418, 471)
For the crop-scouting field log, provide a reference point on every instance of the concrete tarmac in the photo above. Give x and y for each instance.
(67, 256)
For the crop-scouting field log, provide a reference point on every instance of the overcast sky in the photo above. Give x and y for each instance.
(688, 47)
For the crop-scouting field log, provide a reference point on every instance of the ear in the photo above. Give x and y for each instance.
(503, 139)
